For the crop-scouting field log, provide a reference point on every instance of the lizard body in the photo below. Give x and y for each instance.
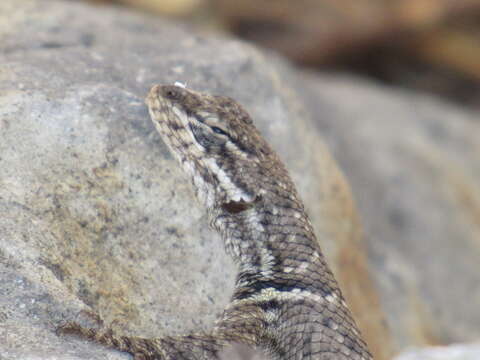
(286, 302)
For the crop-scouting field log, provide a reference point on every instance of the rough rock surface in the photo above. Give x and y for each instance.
(94, 212)
(414, 166)
(452, 352)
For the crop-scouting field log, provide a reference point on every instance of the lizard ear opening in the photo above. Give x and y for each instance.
(235, 207)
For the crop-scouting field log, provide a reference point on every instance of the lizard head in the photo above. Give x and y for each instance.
(215, 140)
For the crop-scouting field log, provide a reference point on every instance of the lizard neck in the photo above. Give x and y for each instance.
(274, 245)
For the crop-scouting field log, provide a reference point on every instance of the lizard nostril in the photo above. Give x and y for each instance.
(171, 94)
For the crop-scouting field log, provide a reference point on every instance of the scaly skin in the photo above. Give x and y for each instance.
(286, 301)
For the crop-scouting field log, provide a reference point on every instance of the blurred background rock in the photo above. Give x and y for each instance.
(430, 45)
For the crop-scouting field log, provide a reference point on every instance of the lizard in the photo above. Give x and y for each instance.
(286, 302)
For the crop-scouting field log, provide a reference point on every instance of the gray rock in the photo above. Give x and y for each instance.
(452, 352)
(95, 214)
(414, 165)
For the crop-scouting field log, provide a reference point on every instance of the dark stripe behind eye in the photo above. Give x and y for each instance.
(199, 118)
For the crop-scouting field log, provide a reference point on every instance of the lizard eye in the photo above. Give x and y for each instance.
(219, 131)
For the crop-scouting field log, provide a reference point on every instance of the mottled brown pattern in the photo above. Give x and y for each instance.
(286, 303)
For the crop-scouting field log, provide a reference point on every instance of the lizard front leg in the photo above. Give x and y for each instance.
(188, 347)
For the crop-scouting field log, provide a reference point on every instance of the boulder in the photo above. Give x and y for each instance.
(95, 214)
(414, 165)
